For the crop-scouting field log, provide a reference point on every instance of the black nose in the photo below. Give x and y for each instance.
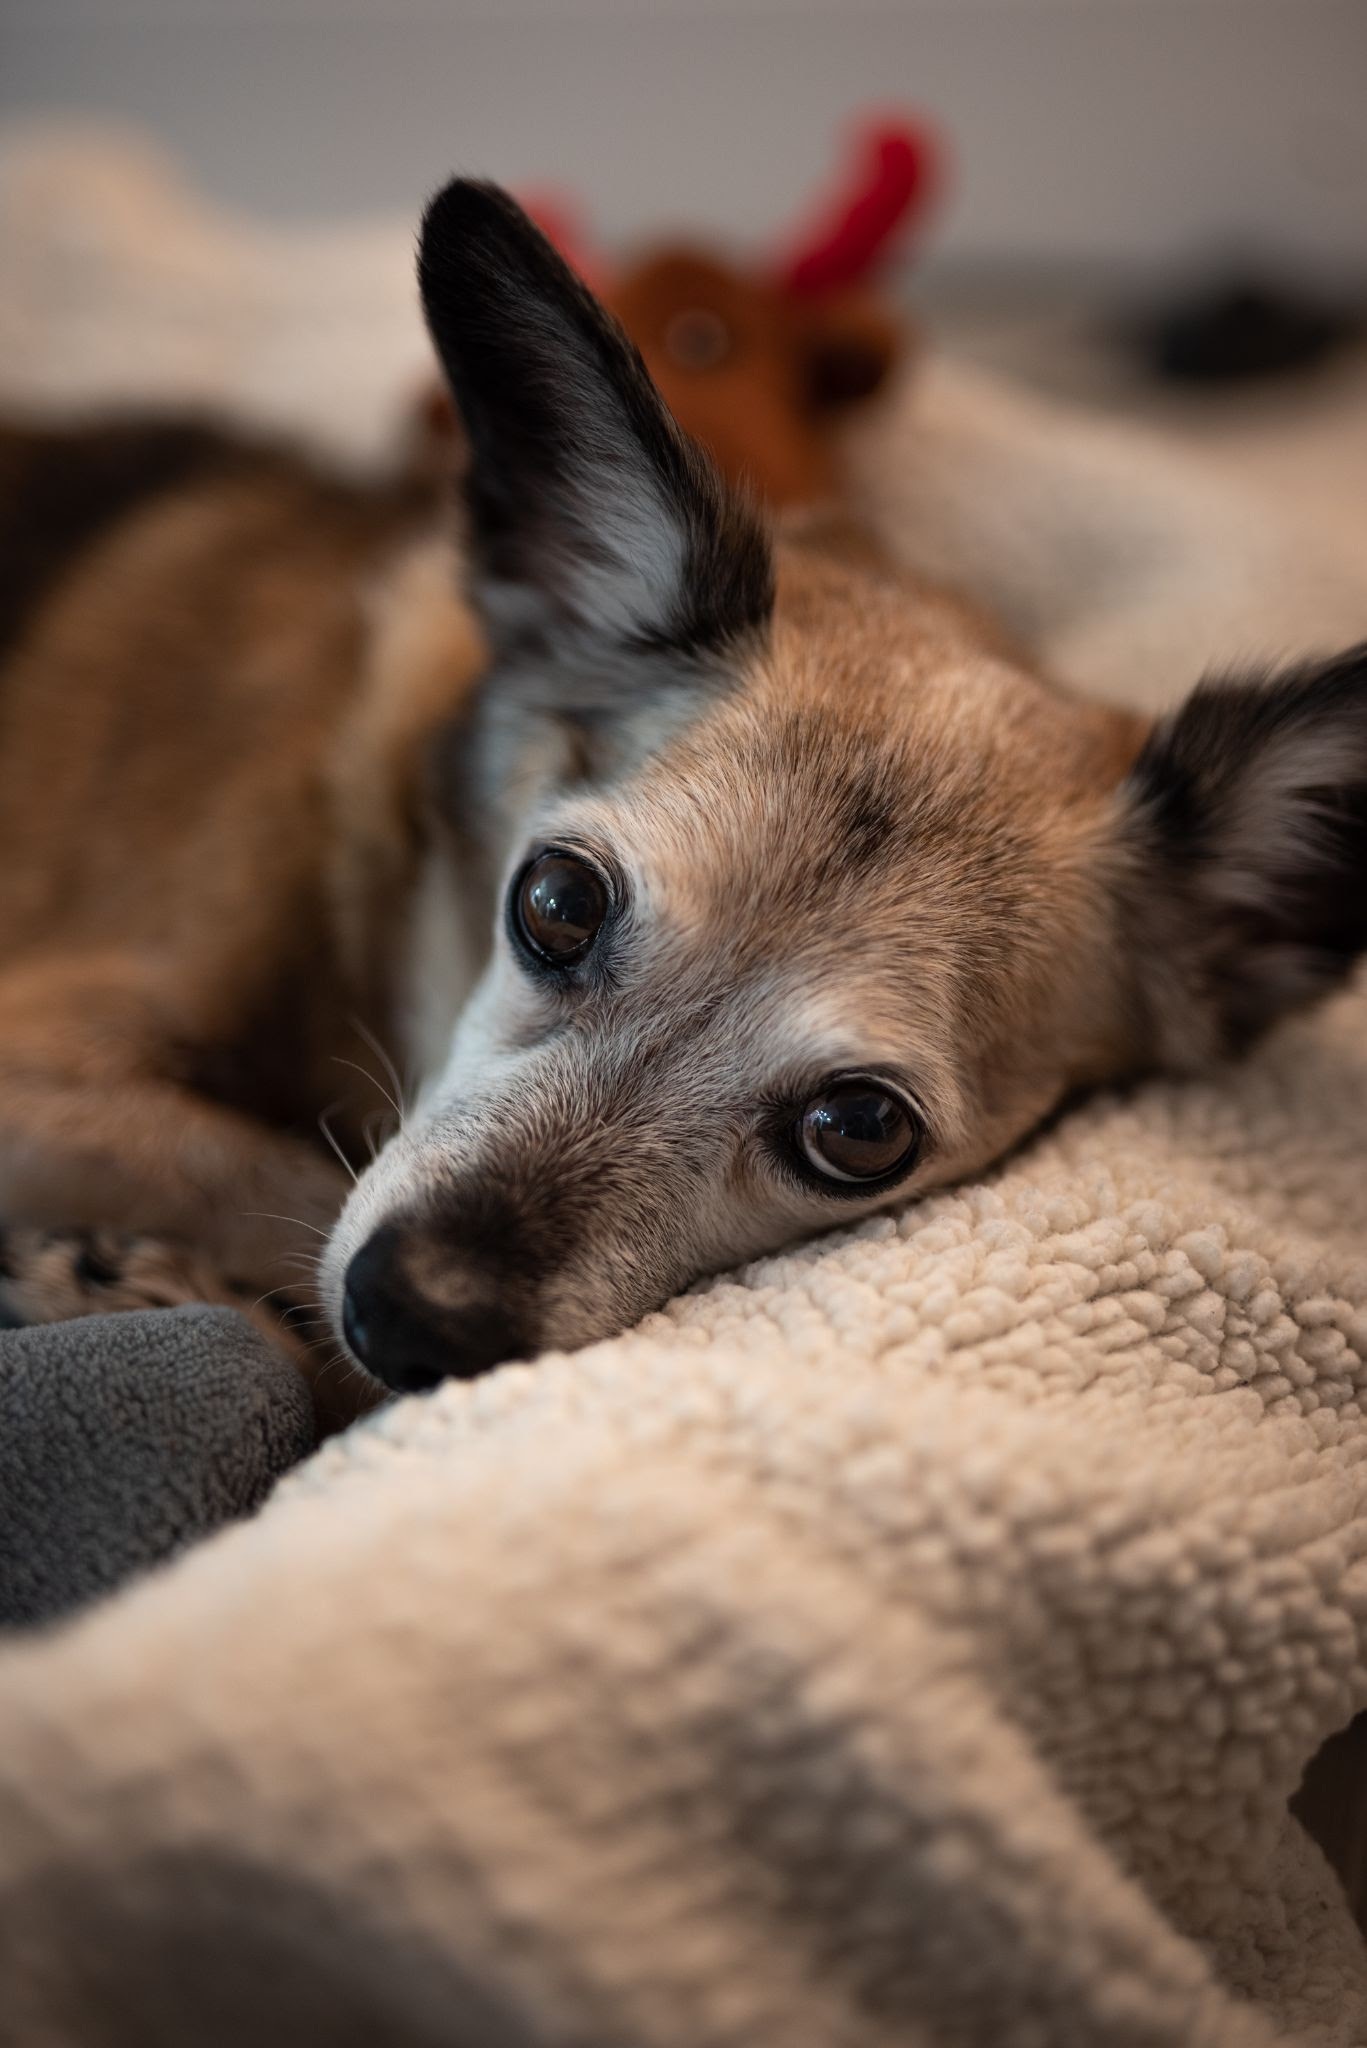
(407, 1339)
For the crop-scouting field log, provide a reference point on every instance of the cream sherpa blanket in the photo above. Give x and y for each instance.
(912, 1639)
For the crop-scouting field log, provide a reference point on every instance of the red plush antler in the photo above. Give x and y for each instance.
(895, 171)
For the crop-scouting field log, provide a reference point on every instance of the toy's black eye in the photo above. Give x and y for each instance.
(698, 339)
(558, 904)
(857, 1130)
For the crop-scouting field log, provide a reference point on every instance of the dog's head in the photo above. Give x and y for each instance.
(800, 896)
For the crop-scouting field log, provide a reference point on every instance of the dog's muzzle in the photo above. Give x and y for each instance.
(406, 1337)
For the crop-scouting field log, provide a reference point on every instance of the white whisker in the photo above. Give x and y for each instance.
(326, 1129)
(281, 1289)
(386, 1062)
(378, 1086)
(270, 1216)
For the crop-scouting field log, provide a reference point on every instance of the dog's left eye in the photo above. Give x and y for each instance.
(858, 1130)
(558, 906)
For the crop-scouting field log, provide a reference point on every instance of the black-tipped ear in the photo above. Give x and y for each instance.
(590, 510)
(1248, 816)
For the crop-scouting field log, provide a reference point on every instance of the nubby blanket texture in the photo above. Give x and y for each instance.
(914, 1639)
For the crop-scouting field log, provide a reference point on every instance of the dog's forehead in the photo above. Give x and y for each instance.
(792, 806)
(875, 839)
(807, 890)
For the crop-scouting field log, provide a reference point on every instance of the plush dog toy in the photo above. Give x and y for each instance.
(762, 360)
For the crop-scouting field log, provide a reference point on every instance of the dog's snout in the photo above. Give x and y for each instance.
(404, 1336)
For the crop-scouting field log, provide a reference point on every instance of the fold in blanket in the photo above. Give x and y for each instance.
(915, 1639)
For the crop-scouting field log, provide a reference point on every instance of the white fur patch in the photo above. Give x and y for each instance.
(442, 967)
(1274, 821)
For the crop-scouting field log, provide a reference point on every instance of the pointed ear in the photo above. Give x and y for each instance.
(1246, 820)
(591, 512)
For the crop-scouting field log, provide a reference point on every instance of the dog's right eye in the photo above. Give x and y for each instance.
(558, 906)
(856, 1131)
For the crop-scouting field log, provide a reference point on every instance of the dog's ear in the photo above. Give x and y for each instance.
(591, 512)
(1246, 822)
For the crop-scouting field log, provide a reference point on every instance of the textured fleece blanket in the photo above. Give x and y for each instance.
(912, 1639)
(123, 1438)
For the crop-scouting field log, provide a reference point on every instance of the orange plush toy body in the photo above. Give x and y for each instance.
(762, 361)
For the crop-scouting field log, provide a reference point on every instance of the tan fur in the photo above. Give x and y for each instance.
(997, 930)
(976, 950)
(752, 889)
(212, 749)
(205, 784)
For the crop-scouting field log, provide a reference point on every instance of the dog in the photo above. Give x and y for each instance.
(716, 886)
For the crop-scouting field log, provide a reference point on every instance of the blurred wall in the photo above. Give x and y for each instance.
(1126, 131)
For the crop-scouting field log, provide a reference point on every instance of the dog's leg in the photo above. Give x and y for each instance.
(97, 1131)
(148, 1157)
(137, 1193)
(48, 1276)
(123, 1187)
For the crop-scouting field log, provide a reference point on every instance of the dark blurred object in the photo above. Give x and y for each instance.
(1243, 331)
(1331, 1805)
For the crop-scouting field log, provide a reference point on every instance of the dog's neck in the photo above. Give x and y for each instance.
(423, 655)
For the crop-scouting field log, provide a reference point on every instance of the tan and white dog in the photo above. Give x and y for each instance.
(715, 889)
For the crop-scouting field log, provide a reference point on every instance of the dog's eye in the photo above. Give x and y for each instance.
(558, 905)
(858, 1130)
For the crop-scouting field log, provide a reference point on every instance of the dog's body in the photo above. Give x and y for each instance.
(209, 736)
(752, 889)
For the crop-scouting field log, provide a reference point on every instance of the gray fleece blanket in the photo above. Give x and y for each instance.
(122, 1438)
